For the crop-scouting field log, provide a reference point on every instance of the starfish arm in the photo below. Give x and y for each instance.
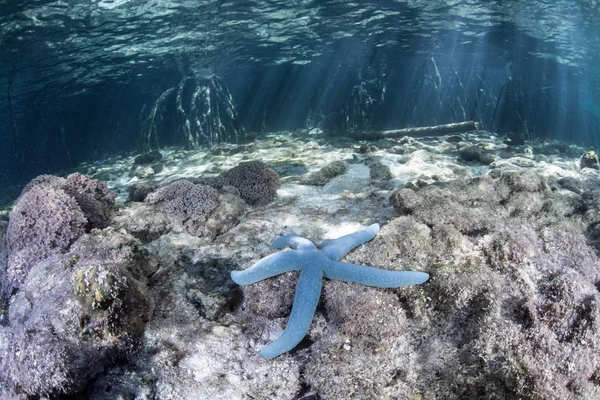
(308, 291)
(267, 267)
(294, 242)
(370, 276)
(342, 246)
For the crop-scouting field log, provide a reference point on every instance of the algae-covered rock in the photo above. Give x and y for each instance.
(95, 288)
(512, 307)
(256, 182)
(46, 221)
(589, 159)
(380, 172)
(50, 214)
(198, 209)
(325, 174)
(74, 314)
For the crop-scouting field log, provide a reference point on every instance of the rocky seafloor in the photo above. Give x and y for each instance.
(133, 299)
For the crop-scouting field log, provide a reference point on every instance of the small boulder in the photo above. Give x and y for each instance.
(589, 160)
(476, 154)
(571, 183)
(198, 209)
(148, 158)
(325, 174)
(256, 181)
(380, 172)
(139, 191)
(470, 153)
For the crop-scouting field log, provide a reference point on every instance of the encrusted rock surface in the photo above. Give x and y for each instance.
(511, 243)
(74, 314)
(325, 174)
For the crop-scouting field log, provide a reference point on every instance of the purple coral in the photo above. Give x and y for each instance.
(45, 221)
(256, 181)
(187, 203)
(51, 213)
(94, 198)
(92, 195)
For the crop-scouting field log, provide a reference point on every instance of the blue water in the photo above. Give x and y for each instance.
(80, 79)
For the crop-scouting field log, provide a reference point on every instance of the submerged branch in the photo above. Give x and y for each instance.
(414, 132)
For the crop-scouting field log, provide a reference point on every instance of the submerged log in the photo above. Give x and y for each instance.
(414, 132)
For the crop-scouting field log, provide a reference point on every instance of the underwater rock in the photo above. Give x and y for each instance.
(495, 294)
(45, 221)
(552, 148)
(200, 210)
(405, 201)
(590, 208)
(47, 180)
(271, 298)
(510, 310)
(143, 222)
(471, 153)
(364, 149)
(353, 310)
(227, 215)
(433, 204)
(487, 158)
(571, 183)
(210, 305)
(148, 158)
(256, 181)
(477, 154)
(93, 197)
(3, 259)
(50, 214)
(590, 205)
(524, 181)
(511, 164)
(141, 172)
(138, 191)
(593, 231)
(158, 167)
(193, 328)
(589, 159)
(120, 382)
(379, 171)
(325, 174)
(212, 292)
(74, 314)
(404, 149)
(185, 200)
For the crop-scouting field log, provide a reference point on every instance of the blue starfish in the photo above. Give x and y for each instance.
(314, 264)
